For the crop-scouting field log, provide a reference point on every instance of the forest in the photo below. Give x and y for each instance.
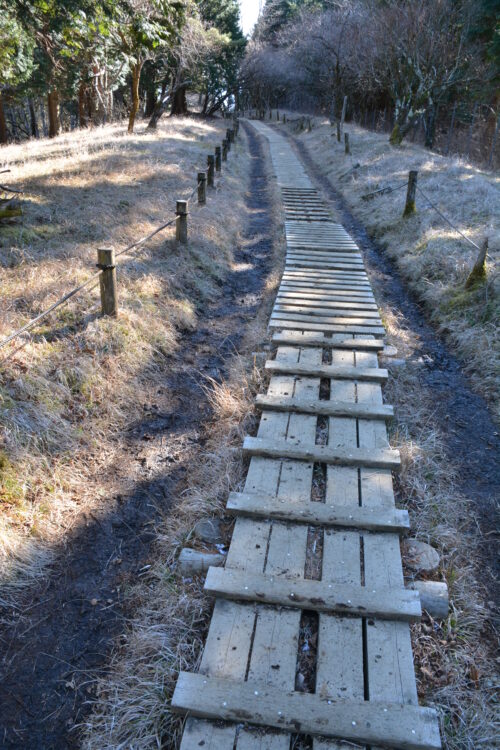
(425, 69)
(249, 374)
(74, 64)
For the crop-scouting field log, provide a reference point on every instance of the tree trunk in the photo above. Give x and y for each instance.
(150, 102)
(4, 135)
(159, 108)
(82, 106)
(53, 107)
(33, 121)
(134, 107)
(179, 102)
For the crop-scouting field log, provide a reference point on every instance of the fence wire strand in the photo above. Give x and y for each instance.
(436, 209)
(91, 282)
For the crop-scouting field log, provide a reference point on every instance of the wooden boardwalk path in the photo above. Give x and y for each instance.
(316, 537)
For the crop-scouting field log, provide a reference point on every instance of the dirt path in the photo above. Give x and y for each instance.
(462, 416)
(64, 628)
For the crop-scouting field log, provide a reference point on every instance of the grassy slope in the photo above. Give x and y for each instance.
(67, 393)
(434, 260)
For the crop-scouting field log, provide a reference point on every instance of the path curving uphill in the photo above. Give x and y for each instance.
(336, 588)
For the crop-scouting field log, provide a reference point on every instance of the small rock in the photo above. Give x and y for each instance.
(94, 602)
(420, 557)
(395, 362)
(389, 351)
(208, 529)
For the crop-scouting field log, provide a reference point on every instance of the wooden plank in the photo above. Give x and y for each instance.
(318, 339)
(324, 295)
(351, 309)
(324, 408)
(383, 458)
(257, 740)
(387, 724)
(203, 734)
(377, 374)
(326, 327)
(317, 514)
(384, 603)
(303, 320)
(303, 302)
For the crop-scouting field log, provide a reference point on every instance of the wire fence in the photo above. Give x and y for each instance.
(94, 280)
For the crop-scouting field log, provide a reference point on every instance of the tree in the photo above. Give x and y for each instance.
(145, 28)
(16, 59)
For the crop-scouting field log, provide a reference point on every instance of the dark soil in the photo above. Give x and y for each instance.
(61, 635)
(464, 420)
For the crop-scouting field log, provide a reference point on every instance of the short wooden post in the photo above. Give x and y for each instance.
(346, 143)
(218, 158)
(411, 194)
(202, 187)
(107, 280)
(211, 170)
(478, 273)
(181, 225)
(338, 131)
(228, 139)
(284, 118)
(224, 150)
(278, 115)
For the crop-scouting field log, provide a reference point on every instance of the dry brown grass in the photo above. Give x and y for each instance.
(66, 394)
(454, 659)
(433, 259)
(171, 613)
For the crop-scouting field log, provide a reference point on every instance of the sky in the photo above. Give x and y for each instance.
(249, 14)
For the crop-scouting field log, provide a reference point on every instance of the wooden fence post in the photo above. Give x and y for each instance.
(224, 150)
(107, 280)
(181, 226)
(478, 272)
(228, 139)
(338, 131)
(202, 187)
(218, 156)
(411, 194)
(210, 171)
(346, 143)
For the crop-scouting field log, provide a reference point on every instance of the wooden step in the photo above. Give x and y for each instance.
(326, 327)
(372, 723)
(341, 372)
(374, 458)
(345, 599)
(316, 339)
(250, 504)
(325, 408)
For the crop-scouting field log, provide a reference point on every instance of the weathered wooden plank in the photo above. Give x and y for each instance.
(324, 408)
(302, 302)
(316, 514)
(324, 295)
(318, 339)
(387, 724)
(302, 320)
(326, 327)
(327, 371)
(203, 734)
(338, 310)
(358, 601)
(383, 458)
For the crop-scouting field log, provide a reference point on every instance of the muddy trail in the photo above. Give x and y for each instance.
(461, 415)
(61, 635)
